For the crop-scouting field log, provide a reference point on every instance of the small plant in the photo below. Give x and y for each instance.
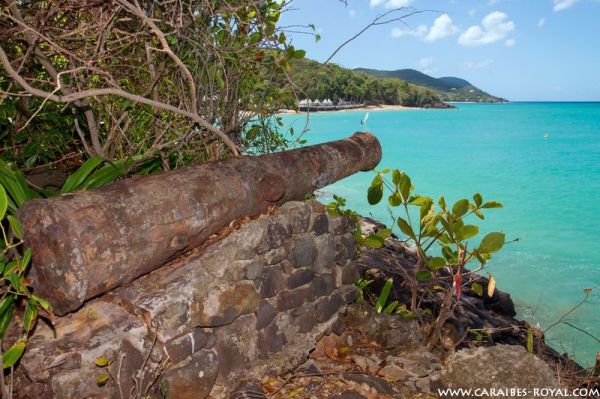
(425, 224)
(337, 208)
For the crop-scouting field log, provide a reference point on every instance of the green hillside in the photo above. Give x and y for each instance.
(318, 81)
(448, 88)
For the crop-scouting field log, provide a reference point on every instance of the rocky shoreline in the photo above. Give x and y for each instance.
(371, 355)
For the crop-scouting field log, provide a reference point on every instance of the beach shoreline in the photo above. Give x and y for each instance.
(366, 108)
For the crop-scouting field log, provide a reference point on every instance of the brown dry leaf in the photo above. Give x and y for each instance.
(270, 385)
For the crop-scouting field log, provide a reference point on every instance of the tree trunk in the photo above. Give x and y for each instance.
(88, 242)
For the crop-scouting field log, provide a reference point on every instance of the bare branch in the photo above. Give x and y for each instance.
(383, 19)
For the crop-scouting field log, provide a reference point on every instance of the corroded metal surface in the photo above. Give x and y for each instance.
(86, 243)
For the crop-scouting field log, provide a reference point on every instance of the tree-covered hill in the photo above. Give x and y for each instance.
(448, 88)
(318, 81)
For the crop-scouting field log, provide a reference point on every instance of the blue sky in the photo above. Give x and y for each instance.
(545, 50)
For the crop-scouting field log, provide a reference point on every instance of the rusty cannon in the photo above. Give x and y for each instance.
(89, 242)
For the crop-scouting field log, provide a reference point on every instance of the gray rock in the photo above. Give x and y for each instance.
(193, 378)
(340, 225)
(300, 277)
(325, 253)
(181, 347)
(328, 306)
(498, 367)
(298, 214)
(350, 273)
(320, 224)
(276, 255)
(305, 317)
(271, 282)
(270, 339)
(323, 285)
(254, 269)
(304, 251)
(275, 234)
(287, 300)
(264, 314)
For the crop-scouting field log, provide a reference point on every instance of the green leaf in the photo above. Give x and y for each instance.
(373, 242)
(384, 295)
(468, 231)
(492, 204)
(421, 201)
(6, 317)
(30, 316)
(405, 187)
(5, 303)
(107, 174)
(395, 199)
(15, 281)
(396, 176)
(448, 254)
(529, 339)
(15, 226)
(26, 259)
(391, 307)
(102, 379)
(42, 302)
(442, 203)
(76, 179)
(479, 214)
(436, 263)
(102, 361)
(478, 199)
(492, 242)
(384, 233)
(405, 228)
(423, 276)
(298, 54)
(13, 354)
(3, 202)
(460, 208)
(477, 288)
(375, 192)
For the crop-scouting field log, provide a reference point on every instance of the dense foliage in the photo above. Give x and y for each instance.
(331, 81)
(171, 81)
(447, 88)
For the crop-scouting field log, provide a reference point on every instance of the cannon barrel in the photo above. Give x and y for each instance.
(88, 242)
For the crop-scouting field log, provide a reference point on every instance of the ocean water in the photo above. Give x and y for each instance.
(550, 189)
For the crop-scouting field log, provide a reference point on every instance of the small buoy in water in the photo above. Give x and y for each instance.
(546, 136)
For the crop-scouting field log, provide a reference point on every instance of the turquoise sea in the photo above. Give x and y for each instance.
(550, 189)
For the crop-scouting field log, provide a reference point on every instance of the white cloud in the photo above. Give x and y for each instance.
(541, 22)
(390, 3)
(510, 42)
(420, 31)
(477, 64)
(425, 62)
(472, 11)
(442, 27)
(560, 5)
(494, 27)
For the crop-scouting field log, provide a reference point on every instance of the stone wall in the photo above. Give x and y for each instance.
(252, 302)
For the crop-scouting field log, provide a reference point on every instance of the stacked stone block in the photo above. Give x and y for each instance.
(250, 304)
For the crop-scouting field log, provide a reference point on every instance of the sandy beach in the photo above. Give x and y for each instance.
(367, 108)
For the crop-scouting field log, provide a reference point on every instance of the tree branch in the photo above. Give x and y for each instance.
(84, 94)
